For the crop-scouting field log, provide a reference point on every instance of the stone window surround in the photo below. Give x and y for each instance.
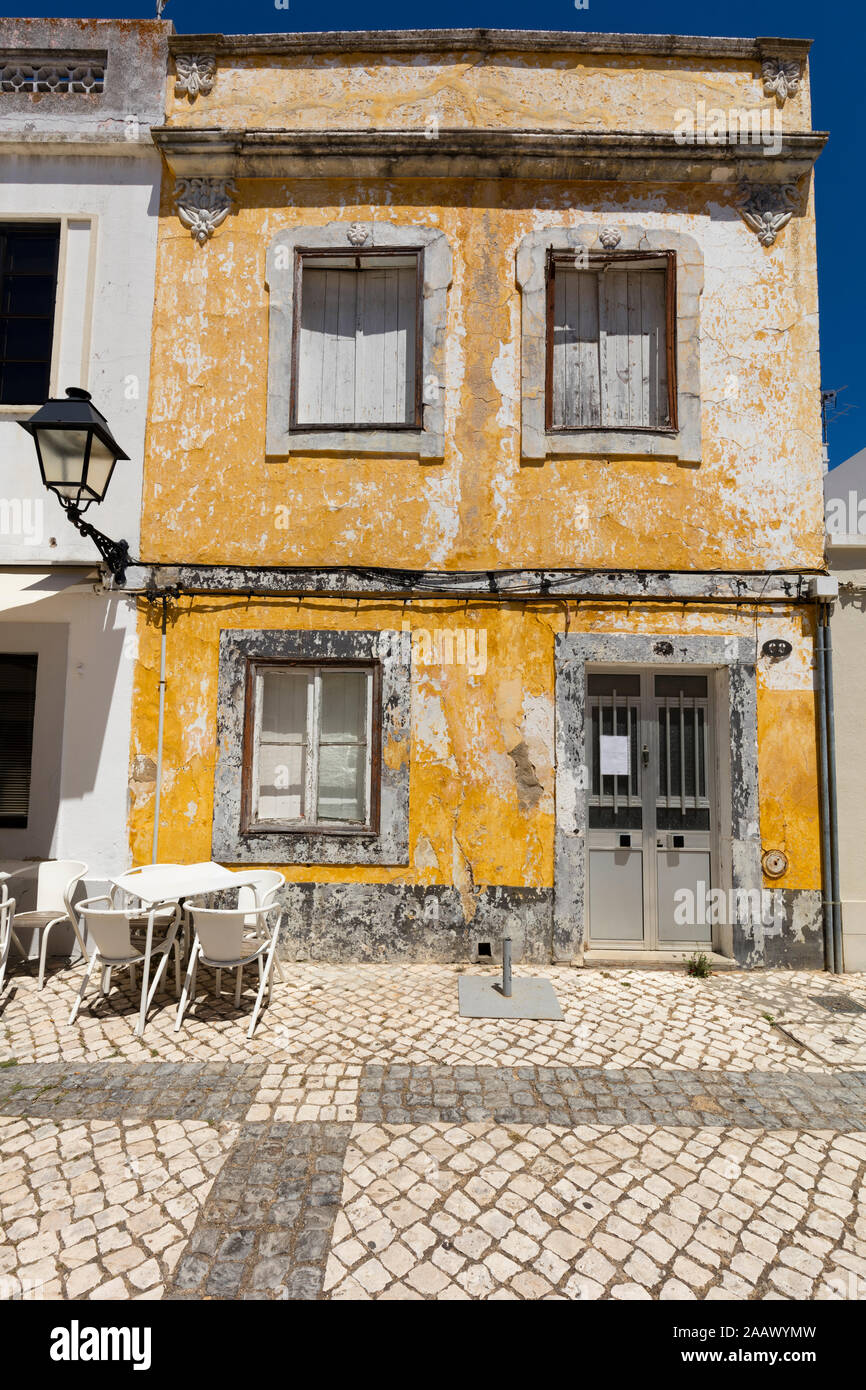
(390, 845)
(427, 443)
(735, 658)
(684, 443)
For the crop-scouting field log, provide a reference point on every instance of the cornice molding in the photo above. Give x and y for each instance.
(361, 581)
(580, 156)
(489, 41)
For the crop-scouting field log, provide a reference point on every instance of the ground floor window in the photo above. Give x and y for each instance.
(309, 757)
(17, 708)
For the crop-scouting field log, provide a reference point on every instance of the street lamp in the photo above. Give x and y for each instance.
(77, 453)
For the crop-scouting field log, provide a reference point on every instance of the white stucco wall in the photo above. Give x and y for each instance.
(81, 727)
(848, 564)
(88, 163)
(105, 305)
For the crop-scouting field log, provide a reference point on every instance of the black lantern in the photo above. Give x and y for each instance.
(76, 449)
(77, 453)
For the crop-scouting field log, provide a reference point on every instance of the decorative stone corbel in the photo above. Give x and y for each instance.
(196, 73)
(357, 233)
(203, 204)
(610, 238)
(782, 78)
(767, 208)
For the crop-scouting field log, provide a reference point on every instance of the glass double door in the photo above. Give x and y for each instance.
(652, 818)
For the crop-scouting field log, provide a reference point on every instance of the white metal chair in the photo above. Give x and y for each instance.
(56, 881)
(7, 912)
(260, 890)
(111, 933)
(221, 944)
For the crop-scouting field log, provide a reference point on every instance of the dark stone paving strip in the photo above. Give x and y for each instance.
(265, 1229)
(210, 1091)
(408, 1094)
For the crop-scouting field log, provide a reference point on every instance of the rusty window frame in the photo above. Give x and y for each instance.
(250, 826)
(314, 253)
(601, 258)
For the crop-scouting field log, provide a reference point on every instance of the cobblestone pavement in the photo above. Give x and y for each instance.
(670, 1138)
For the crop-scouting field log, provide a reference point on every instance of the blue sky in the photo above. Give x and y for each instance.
(838, 31)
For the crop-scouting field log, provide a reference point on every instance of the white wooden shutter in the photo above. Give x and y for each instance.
(356, 358)
(609, 348)
(576, 391)
(344, 711)
(282, 719)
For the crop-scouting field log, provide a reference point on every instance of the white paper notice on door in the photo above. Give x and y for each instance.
(613, 755)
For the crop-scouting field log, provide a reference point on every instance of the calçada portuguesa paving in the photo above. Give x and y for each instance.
(670, 1138)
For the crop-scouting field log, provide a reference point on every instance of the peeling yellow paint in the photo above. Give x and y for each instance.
(482, 807)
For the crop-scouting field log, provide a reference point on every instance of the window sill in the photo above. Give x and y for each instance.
(417, 443)
(323, 831)
(676, 444)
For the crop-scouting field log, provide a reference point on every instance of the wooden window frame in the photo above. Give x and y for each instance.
(326, 253)
(251, 826)
(597, 259)
(42, 228)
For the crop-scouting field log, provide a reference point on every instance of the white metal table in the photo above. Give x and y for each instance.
(159, 883)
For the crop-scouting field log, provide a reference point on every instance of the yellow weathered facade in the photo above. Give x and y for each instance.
(505, 573)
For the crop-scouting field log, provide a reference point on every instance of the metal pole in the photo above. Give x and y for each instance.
(506, 963)
(155, 852)
(836, 898)
(824, 785)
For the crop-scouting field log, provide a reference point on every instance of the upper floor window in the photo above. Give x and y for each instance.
(357, 360)
(610, 342)
(357, 339)
(28, 291)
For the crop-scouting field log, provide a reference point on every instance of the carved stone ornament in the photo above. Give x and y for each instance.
(196, 72)
(782, 77)
(767, 209)
(610, 238)
(203, 204)
(357, 234)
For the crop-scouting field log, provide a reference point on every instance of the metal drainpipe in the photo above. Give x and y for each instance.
(824, 788)
(836, 904)
(154, 856)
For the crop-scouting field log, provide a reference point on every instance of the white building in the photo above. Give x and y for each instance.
(79, 199)
(845, 517)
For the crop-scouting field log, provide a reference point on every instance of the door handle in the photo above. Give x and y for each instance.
(645, 755)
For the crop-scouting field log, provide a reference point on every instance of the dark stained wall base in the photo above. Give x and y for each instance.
(367, 923)
(792, 936)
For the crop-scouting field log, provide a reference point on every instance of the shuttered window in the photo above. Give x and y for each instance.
(610, 361)
(312, 746)
(357, 342)
(17, 706)
(28, 290)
